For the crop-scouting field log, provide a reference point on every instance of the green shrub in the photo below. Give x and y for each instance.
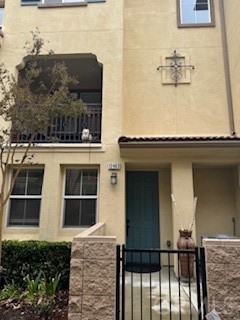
(21, 258)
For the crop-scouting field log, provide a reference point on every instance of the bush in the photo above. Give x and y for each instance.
(21, 258)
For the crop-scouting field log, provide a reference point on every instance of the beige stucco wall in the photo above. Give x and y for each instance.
(151, 108)
(232, 14)
(215, 189)
(182, 190)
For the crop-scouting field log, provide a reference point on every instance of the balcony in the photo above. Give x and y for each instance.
(69, 130)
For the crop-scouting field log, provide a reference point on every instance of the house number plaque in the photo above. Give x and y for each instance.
(114, 166)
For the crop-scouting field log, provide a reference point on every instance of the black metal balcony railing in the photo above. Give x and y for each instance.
(69, 130)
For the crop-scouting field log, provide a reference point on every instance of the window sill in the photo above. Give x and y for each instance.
(34, 228)
(60, 5)
(196, 25)
(81, 228)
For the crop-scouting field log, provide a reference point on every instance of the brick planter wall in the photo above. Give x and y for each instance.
(92, 277)
(223, 276)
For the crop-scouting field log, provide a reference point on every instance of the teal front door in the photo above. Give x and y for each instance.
(142, 212)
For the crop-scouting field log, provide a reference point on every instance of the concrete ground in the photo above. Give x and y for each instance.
(165, 300)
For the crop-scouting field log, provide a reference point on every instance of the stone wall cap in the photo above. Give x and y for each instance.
(95, 238)
(97, 229)
(100, 239)
(217, 242)
(220, 236)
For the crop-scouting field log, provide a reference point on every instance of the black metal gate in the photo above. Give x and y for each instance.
(161, 284)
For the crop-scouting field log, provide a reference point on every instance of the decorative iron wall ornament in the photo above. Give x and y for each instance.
(176, 67)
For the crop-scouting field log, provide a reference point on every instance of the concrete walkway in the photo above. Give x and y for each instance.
(156, 302)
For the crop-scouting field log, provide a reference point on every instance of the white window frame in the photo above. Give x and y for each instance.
(2, 16)
(80, 197)
(211, 16)
(24, 197)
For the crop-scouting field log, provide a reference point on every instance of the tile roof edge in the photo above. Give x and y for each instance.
(180, 141)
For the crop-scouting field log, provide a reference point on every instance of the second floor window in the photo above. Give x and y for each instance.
(195, 13)
(1, 13)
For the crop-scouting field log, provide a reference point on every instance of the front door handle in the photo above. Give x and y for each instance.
(127, 227)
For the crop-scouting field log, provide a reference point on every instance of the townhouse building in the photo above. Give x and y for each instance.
(160, 79)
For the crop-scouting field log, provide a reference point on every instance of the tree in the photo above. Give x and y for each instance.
(27, 107)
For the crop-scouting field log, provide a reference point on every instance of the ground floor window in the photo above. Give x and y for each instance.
(80, 197)
(25, 199)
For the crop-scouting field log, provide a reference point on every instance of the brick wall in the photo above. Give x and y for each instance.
(92, 277)
(223, 276)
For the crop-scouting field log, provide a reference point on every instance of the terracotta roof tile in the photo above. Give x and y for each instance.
(175, 141)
